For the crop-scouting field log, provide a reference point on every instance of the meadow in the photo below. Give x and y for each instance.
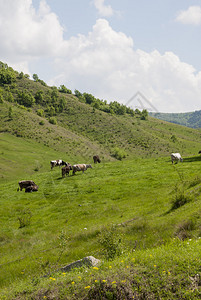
(147, 209)
(135, 211)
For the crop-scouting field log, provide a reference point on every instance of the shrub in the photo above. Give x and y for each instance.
(40, 112)
(119, 153)
(42, 123)
(53, 120)
(180, 199)
(111, 243)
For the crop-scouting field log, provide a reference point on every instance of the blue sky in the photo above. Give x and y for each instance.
(112, 49)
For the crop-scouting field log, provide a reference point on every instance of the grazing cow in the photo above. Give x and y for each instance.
(199, 152)
(24, 184)
(58, 162)
(96, 159)
(31, 188)
(177, 157)
(66, 170)
(80, 167)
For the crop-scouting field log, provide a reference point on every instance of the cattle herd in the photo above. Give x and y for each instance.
(30, 186)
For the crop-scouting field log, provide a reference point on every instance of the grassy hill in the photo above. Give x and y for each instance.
(191, 119)
(135, 211)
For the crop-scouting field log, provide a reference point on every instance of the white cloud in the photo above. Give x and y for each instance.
(25, 32)
(103, 62)
(106, 64)
(103, 10)
(190, 16)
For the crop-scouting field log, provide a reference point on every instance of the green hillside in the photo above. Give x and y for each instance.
(191, 119)
(135, 211)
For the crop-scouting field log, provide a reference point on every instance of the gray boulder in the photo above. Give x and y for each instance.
(88, 261)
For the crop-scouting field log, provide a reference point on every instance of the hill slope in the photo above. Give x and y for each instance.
(139, 216)
(191, 119)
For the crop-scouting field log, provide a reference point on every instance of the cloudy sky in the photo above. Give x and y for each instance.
(109, 48)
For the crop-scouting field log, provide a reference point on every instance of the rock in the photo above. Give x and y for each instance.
(88, 261)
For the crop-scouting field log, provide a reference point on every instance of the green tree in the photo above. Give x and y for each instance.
(63, 89)
(7, 75)
(9, 97)
(39, 97)
(25, 98)
(144, 114)
(35, 77)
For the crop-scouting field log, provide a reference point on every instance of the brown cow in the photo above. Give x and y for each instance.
(96, 159)
(80, 167)
(23, 184)
(66, 170)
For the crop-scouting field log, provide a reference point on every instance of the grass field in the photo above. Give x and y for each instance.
(152, 205)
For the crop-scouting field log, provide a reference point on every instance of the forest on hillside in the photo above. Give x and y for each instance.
(190, 119)
(51, 99)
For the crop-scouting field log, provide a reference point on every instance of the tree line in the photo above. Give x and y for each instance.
(51, 99)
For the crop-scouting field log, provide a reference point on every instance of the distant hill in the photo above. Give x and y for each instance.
(190, 119)
(79, 125)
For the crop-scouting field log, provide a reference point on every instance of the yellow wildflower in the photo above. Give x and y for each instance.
(113, 282)
(73, 282)
(123, 281)
(87, 287)
(64, 273)
(155, 266)
(110, 267)
(95, 268)
(103, 280)
(96, 280)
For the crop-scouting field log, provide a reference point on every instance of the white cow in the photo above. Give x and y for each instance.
(176, 156)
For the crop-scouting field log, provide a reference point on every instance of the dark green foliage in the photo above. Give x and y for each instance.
(53, 120)
(35, 77)
(21, 75)
(42, 122)
(1, 98)
(9, 97)
(118, 153)
(144, 114)
(7, 74)
(191, 119)
(40, 112)
(63, 89)
(25, 98)
(173, 138)
(39, 96)
(10, 113)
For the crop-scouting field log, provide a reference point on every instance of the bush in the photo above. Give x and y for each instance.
(180, 199)
(40, 112)
(53, 120)
(119, 153)
(41, 122)
(111, 243)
